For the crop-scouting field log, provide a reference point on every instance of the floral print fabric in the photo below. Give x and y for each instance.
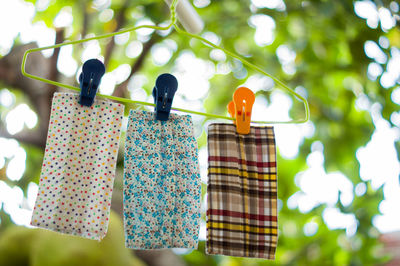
(77, 174)
(161, 182)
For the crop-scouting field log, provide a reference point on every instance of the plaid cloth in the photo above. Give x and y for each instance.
(242, 192)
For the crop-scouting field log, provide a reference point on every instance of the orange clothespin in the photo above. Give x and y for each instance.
(240, 109)
(231, 110)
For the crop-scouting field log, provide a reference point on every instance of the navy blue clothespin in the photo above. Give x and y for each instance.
(92, 71)
(163, 93)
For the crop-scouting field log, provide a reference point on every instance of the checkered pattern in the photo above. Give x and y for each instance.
(242, 192)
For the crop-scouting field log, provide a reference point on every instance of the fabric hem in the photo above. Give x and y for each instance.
(74, 233)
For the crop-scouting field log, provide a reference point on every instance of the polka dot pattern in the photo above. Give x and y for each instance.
(78, 168)
(162, 185)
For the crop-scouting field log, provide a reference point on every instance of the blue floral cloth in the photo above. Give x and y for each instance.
(161, 182)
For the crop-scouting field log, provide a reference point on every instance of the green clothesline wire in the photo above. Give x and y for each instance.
(180, 31)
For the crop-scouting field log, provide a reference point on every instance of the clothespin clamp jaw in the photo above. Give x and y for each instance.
(231, 110)
(92, 72)
(163, 93)
(240, 109)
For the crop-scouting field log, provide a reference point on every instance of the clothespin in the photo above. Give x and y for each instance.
(231, 110)
(163, 93)
(240, 109)
(92, 72)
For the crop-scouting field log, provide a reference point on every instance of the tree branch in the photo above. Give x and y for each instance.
(25, 137)
(120, 23)
(159, 257)
(44, 102)
(11, 76)
(53, 71)
(85, 19)
(121, 90)
(36, 91)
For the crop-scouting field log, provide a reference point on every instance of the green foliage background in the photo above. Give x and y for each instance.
(328, 38)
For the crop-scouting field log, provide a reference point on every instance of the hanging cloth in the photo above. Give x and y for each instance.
(242, 192)
(78, 169)
(161, 182)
